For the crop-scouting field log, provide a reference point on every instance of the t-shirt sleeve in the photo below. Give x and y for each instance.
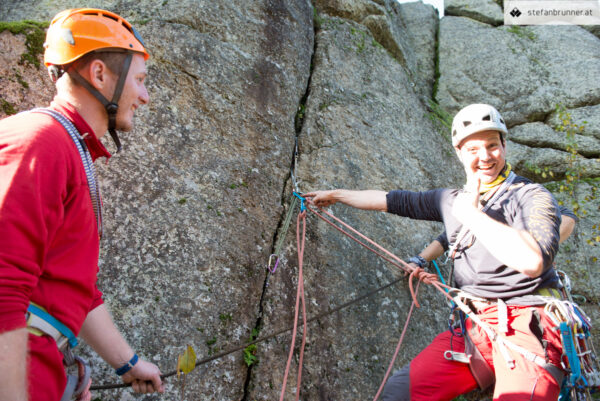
(540, 215)
(443, 239)
(416, 205)
(565, 211)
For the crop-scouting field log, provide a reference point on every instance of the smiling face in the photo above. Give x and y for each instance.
(134, 93)
(483, 155)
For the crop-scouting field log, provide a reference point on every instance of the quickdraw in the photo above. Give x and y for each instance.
(579, 361)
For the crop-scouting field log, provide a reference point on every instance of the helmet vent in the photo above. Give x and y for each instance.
(466, 123)
(487, 118)
(111, 17)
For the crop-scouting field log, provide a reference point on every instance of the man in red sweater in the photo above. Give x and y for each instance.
(50, 211)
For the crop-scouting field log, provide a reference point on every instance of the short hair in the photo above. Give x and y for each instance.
(112, 59)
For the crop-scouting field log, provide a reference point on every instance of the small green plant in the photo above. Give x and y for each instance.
(7, 107)
(361, 41)
(542, 172)
(225, 317)
(20, 79)
(524, 33)
(317, 19)
(249, 355)
(574, 168)
(440, 117)
(575, 171)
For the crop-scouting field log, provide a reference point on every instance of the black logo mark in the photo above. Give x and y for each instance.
(515, 12)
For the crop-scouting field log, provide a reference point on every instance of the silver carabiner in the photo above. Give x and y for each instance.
(457, 356)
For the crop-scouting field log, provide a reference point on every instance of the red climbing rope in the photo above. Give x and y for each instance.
(344, 228)
(299, 297)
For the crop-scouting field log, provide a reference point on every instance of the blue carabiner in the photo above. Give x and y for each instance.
(302, 200)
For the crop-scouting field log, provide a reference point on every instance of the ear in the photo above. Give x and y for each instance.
(97, 74)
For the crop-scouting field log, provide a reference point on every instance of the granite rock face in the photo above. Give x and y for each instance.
(197, 200)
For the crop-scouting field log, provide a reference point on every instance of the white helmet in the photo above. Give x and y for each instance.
(476, 118)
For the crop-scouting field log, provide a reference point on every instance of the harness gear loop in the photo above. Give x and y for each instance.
(503, 343)
(76, 384)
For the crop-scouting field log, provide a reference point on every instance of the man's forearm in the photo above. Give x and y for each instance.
(432, 251)
(102, 335)
(515, 248)
(13, 365)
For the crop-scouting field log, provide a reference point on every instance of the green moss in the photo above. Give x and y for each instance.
(35, 34)
(7, 107)
(523, 33)
(21, 81)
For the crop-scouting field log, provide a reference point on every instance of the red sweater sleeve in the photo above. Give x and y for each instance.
(31, 191)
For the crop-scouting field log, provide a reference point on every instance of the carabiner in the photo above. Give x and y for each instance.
(457, 356)
(276, 263)
(302, 200)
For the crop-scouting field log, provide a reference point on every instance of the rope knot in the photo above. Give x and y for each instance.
(421, 275)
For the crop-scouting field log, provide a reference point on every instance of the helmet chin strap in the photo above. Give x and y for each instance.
(111, 107)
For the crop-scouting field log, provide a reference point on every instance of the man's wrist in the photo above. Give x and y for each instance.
(418, 260)
(127, 366)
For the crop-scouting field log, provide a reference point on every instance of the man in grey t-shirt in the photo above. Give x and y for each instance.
(503, 232)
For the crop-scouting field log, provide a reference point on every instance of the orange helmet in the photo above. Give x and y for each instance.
(76, 32)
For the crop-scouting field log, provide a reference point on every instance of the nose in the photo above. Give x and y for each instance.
(144, 97)
(483, 153)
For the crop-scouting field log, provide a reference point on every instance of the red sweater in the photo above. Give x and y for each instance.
(49, 241)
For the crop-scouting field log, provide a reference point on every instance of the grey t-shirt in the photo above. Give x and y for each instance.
(564, 211)
(524, 205)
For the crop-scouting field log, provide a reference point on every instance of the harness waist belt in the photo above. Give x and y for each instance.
(39, 319)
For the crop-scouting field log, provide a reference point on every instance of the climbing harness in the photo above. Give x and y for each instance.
(39, 323)
(86, 159)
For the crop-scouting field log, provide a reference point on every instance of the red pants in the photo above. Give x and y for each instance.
(432, 377)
